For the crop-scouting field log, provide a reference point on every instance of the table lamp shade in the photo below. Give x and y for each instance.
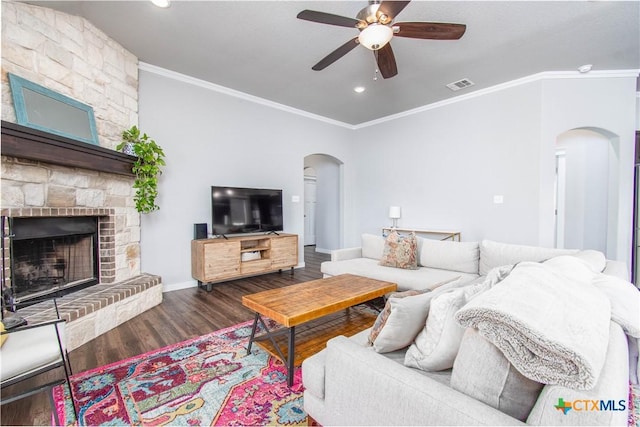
(395, 212)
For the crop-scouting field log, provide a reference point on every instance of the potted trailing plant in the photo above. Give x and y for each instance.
(146, 168)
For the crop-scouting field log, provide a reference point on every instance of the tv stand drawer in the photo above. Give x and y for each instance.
(255, 266)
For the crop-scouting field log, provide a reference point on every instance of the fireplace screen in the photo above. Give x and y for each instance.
(52, 254)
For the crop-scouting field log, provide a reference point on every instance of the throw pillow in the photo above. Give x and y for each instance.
(436, 346)
(3, 337)
(481, 371)
(383, 316)
(404, 315)
(400, 251)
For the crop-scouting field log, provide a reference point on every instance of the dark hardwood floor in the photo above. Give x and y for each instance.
(183, 314)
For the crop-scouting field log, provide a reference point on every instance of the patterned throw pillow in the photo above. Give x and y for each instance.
(400, 251)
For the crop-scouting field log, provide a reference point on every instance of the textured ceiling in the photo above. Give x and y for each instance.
(261, 49)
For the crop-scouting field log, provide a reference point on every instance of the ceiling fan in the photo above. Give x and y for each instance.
(376, 26)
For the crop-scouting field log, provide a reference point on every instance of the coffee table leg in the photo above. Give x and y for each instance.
(253, 333)
(291, 356)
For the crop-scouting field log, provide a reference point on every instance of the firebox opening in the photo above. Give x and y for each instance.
(54, 254)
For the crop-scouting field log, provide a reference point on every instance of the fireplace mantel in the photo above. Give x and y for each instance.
(27, 143)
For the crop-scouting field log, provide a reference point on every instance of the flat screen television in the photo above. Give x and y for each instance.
(237, 210)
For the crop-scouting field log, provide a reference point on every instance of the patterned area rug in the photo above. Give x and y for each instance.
(208, 380)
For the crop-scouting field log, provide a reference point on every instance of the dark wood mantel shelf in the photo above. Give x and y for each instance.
(27, 143)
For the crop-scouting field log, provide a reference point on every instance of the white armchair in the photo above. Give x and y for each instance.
(29, 351)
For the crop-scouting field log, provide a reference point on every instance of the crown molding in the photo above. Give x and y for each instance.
(546, 75)
(237, 94)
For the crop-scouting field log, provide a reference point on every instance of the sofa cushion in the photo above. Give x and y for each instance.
(481, 371)
(436, 346)
(400, 251)
(494, 254)
(448, 255)
(423, 278)
(372, 246)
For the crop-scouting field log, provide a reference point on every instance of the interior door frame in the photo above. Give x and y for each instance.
(635, 262)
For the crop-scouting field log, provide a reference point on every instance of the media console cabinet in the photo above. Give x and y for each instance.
(217, 260)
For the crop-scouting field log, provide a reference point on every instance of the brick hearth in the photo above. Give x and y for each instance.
(97, 309)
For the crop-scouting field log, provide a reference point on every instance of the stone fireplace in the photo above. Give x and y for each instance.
(46, 176)
(89, 254)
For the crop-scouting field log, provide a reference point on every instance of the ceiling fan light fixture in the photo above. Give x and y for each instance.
(375, 36)
(161, 3)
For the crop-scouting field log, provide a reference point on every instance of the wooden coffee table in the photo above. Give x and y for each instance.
(296, 304)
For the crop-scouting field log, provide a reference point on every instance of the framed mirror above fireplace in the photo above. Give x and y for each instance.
(42, 108)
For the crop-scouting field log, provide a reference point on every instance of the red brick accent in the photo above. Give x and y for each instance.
(106, 235)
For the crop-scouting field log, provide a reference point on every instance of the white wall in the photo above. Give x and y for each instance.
(605, 104)
(442, 165)
(211, 138)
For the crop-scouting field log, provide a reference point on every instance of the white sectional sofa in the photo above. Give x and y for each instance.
(353, 382)
(439, 261)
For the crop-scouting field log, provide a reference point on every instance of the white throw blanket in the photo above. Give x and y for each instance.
(552, 328)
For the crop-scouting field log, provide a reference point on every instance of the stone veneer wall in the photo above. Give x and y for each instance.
(69, 55)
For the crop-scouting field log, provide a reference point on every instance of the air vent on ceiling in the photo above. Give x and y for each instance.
(460, 84)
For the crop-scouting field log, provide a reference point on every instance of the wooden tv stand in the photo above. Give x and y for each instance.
(217, 260)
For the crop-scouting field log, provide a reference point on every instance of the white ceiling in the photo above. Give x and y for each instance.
(260, 48)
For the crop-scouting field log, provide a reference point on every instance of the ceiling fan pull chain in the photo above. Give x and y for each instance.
(375, 74)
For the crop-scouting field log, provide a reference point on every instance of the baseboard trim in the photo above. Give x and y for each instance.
(194, 284)
(178, 286)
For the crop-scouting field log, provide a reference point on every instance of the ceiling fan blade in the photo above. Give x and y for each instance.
(336, 54)
(391, 8)
(430, 30)
(386, 61)
(328, 18)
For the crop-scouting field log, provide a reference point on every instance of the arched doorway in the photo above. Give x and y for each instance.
(586, 176)
(323, 201)
(310, 201)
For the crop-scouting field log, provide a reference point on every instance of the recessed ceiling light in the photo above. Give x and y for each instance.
(161, 3)
(585, 68)
(359, 89)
